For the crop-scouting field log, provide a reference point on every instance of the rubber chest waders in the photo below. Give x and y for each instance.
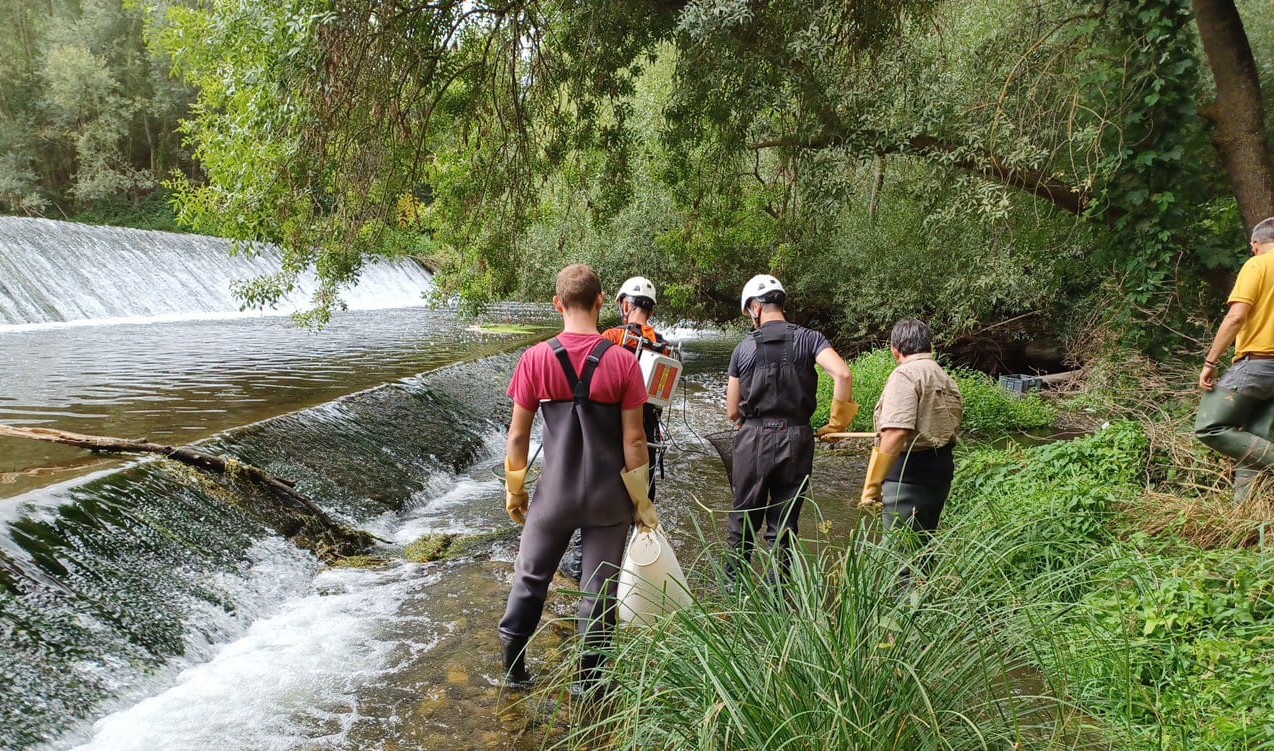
(579, 487)
(572, 565)
(774, 449)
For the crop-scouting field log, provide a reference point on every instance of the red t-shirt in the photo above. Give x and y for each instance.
(539, 375)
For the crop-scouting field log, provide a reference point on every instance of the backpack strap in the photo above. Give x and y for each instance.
(585, 382)
(580, 386)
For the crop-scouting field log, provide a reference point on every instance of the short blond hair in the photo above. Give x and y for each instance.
(578, 286)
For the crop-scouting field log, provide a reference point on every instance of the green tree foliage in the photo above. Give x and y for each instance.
(88, 115)
(968, 162)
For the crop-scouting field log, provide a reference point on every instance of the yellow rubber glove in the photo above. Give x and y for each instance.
(516, 500)
(877, 467)
(637, 482)
(842, 415)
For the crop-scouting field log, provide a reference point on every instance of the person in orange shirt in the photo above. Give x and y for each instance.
(636, 299)
(1228, 406)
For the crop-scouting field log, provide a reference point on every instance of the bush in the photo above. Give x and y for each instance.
(1044, 510)
(988, 409)
(1189, 636)
(1171, 642)
(153, 212)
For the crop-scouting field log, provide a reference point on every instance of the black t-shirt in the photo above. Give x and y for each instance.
(806, 343)
(781, 384)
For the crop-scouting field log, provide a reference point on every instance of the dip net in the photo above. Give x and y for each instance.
(723, 442)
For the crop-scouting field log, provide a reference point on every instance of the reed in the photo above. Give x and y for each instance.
(841, 657)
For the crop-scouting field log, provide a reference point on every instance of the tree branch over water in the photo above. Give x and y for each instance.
(345, 540)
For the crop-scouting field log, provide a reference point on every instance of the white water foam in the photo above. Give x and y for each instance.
(56, 274)
(437, 515)
(290, 678)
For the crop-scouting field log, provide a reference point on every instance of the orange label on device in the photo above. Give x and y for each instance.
(663, 381)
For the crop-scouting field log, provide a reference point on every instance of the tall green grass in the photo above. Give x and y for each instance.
(1038, 620)
(839, 658)
(988, 409)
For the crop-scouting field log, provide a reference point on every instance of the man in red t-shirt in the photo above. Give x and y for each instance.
(595, 471)
(636, 300)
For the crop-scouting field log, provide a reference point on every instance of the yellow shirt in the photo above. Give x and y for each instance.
(1255, 286)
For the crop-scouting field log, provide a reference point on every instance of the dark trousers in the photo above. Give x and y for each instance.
(914, 507)
(771, 467)
(544, 539)
(572, 565)
(1233, 418)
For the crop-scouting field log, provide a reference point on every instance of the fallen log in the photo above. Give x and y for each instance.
(230, 468)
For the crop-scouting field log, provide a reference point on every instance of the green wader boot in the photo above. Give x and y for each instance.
(1223, 424)
(1260, 423)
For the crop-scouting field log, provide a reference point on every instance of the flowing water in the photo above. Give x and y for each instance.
(183, 381)
(149, 607)
(144, 612)
(59, 273)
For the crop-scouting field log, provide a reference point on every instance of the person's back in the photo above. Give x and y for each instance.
(771, 395)
(775, 368)
(1255, 286)
(541, 381)
(590, 393)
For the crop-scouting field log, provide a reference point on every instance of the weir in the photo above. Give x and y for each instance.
(55, 272)
(155, 606)
(110, 584)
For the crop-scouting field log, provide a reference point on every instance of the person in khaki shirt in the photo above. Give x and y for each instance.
(1228, 411)
(917, 418)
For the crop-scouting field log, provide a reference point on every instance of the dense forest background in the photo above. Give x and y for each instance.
(1012, 170)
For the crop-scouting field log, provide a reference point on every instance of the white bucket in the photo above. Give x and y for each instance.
(651, 582)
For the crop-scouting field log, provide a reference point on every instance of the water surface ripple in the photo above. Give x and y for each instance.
(178, 382)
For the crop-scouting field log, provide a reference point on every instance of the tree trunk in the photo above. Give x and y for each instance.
(306, 516)
(1238, 114)
(877, 184)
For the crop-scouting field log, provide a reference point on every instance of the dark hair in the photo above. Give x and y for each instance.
(910, 336)
(1263, 232)
(578, 286)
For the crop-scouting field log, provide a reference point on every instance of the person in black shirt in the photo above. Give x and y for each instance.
(771, 396)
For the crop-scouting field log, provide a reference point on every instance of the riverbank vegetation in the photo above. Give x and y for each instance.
(989, 409)
(1064, 604)
(89, 114)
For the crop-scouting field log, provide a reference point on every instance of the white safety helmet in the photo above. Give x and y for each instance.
(637, 286)
(757, 286)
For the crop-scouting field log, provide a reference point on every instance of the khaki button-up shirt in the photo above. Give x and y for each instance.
(920, 396)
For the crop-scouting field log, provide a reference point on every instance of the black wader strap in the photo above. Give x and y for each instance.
(580, 386)
(763, 338)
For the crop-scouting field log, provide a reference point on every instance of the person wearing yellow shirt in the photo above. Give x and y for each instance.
(1228, 407)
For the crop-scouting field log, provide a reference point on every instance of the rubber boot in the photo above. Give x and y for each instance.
(513, 652)
(1246, 479)
(1219, 425)
(590, 683)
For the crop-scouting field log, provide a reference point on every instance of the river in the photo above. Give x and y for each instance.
(274, 651)
(141, 607)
